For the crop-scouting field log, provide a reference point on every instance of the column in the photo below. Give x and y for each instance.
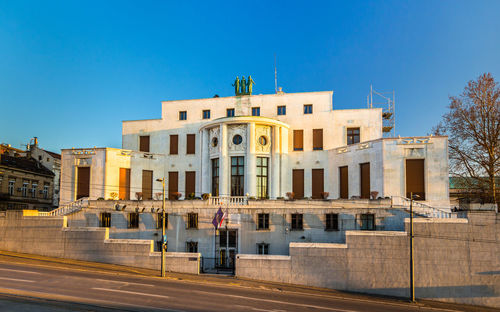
(275, 163)
(286, 171)
(224, 163)
(205, 173)
(251, 161)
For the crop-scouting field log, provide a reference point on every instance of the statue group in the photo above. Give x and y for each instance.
(243, 86)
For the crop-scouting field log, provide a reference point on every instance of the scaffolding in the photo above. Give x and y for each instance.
(386, 101)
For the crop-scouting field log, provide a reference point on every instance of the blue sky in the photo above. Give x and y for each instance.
(71, 71)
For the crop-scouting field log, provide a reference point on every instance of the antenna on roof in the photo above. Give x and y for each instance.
(275, 76)
(388, 103)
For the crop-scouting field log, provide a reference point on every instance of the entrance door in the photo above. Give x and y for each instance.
(228, 248)
(83, 182)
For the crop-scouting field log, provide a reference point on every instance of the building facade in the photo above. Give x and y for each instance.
(25, 184)
(260, 146)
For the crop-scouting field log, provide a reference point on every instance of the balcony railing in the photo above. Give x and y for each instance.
(227, 200)
(421, 208)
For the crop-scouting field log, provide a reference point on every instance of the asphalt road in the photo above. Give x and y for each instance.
(25, 287)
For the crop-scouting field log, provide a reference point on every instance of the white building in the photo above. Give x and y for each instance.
(261, 146)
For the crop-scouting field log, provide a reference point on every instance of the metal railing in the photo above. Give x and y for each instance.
(227, 200)
(421, 208)
(67, 209)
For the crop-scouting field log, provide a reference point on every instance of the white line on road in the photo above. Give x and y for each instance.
(122, 282)
(275, 301)
(22, 271)
(16, 280)
(130, 292)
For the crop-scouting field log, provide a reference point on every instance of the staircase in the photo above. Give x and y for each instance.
(67, 209)
(421, 209)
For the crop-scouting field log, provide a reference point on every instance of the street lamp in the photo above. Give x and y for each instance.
(163, 238)
(412, 262)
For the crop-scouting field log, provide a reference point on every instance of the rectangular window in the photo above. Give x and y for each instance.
(11, 186)
(133, 220)
(317, 183)
(331, 222)
(34, 186)
(190, 143)
(83, 182)
(192, 221)
(262, 177)
(190, 184)
(230, 112)
(144, 143)
(191, 246)
(281, 110)
(415, 182)
(364, 171)
(159, 217)
(297, 221)
(298, 140)
(173, 185)
(262, 249)
(147, 184)
(183, 115)
(174, 144)
(367, 222)
(215, 177)
(206, 114)
(124, 184)
(308, 109)
(237, 175)
(344, 182)
(317, 139)
(298, 183)
(46, 191)
(255, 111)
(352, 136)
(24, 189)
(105, 219)
(263, 223)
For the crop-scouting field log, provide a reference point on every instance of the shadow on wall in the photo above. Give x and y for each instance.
(439, 292)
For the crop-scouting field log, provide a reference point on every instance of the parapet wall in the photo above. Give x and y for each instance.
(456, 260)
(26, 232)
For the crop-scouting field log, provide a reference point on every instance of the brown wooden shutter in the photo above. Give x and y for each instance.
(144, 143)
(365, 180)
(174, 144)
(415, 178)
(317, 183)
(298, 183)
(190, 145)
(147, 184)
(83, 182)
(173, 184)
(190, 183)
(124, 191)
(317, 139)
(298, 140)
(344, 182)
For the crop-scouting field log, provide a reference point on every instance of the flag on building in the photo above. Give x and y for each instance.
(218, 218)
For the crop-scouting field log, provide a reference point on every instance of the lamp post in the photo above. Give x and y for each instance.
(163, 240)
(412, 262)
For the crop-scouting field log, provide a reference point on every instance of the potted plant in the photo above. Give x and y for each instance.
(290, 195)
(325, 195)
(374, 194)
(138, 195)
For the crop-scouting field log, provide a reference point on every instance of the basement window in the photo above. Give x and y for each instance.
(133, 220)
(191, 246)
(105, 219)
(192, 221)
(262, 249)
(297, 221)
(332, 222)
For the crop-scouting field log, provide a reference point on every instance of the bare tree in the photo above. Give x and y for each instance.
(473, 128)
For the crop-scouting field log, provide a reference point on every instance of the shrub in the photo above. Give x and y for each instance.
(176, 195)
(205, 196)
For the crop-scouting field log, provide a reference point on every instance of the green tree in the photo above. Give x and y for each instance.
(472, 125)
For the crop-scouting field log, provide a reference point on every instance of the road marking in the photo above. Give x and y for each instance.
(275, 301)
(130, 292)
(122, 282)
(16, 280)
(12, 270)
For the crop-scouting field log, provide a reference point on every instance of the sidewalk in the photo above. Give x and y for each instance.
(68, 264)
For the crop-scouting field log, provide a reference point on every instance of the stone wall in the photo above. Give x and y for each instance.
(26, 232)
(456, 260)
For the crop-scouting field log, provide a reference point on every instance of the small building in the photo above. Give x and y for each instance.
(25, 184)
